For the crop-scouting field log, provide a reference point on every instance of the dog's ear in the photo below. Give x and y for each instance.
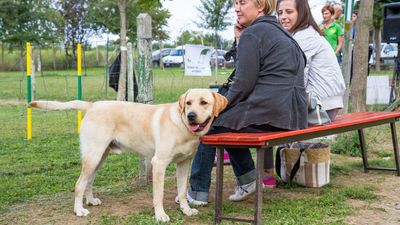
(181, 102)
(220, 103)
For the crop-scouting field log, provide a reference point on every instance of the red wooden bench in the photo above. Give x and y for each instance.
(347, 122)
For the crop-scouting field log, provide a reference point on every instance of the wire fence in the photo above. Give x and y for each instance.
(55, 78)
(58, 57)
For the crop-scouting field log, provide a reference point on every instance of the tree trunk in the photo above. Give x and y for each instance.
(54, 57)
(73, 48)
(377, 41)
(216, 55)
(360, 67)
(122, 73)
(66, 57)
(160, 46)
(21, 57)
(39, 61)
(97, 55)
(2, 53)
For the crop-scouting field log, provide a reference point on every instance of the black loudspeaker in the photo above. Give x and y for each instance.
(391, 23)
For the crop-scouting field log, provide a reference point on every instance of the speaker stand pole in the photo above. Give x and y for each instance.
(394, 101)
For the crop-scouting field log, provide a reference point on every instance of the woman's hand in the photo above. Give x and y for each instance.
(237, 31)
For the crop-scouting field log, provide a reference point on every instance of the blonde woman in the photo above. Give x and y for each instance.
(267, 94)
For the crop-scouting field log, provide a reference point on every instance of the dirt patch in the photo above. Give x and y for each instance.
(381, 211)
(386, 187)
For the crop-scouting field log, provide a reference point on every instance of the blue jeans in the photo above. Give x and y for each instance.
(339, 58)
(241, 160)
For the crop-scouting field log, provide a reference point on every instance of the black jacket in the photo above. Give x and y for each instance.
(268, 86)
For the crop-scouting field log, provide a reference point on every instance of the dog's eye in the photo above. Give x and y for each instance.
(203, 103)
(188, 103)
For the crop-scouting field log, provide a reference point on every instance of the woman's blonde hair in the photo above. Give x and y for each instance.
(269, 5)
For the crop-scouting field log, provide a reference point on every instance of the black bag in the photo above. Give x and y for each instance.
(223, 89)
(113, 81)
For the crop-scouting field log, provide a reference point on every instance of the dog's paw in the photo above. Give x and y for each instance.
(162, 217)
(93, 201)
(190, 211)
(81, 212)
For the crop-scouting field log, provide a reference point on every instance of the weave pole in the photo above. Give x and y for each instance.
(29, 91)
(79, 71)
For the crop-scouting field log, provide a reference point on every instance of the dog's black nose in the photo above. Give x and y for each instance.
(191, 116)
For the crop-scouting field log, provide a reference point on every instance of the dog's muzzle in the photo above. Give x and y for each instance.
(193, 125)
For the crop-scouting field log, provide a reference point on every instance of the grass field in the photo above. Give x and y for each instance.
(37, 176)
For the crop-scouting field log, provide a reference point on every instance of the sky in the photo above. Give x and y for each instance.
(184, 13)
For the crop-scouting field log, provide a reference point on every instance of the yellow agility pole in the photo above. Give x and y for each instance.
(79, 68)
(29, 91)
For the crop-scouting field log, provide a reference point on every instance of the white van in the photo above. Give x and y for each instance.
(175, 57)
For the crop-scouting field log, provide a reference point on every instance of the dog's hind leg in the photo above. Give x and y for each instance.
(90, 162)
(182, 172)
(159, 167)
(90, 200)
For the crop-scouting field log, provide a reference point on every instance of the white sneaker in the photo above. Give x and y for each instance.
(191, 201)
(243, 192)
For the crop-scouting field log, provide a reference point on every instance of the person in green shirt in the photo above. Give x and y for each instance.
(338, 15)
(333, 32)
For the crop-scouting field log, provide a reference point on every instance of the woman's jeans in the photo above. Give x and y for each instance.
(241, 160)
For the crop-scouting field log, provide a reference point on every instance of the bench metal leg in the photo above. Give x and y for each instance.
(219, 184)
(395, 147)
(259, 186)
(363, 149)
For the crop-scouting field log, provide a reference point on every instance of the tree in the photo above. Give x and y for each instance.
(27, 20)
(103, 14)
(122, 74)
(214, 16)
(377, 26)
(77, 28)
(360, 67)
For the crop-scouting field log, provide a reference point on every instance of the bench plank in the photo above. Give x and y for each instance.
(351, 121)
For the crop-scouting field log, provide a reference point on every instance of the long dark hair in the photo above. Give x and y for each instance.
(303, 12)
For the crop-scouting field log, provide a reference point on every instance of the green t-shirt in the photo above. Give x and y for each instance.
(332, 34)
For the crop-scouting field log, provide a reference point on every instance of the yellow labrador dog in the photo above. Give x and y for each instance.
(163, 133)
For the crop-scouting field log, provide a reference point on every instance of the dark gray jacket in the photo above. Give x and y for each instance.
(268, 86)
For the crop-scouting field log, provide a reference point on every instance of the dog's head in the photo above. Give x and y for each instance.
(198, 108)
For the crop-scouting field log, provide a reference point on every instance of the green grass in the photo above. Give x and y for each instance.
(49, 165)
(10, 62)
(62, 85)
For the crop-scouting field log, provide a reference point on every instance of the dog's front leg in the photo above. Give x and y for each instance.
(182, 172)
(159, 167)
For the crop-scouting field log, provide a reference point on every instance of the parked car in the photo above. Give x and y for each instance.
(175, 57)
(156, 56)
(220, 60)
(388, 53)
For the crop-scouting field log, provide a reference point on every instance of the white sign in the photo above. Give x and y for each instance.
(197, 60)
(378, 90)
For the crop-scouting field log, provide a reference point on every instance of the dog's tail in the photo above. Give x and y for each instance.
(54, 105)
